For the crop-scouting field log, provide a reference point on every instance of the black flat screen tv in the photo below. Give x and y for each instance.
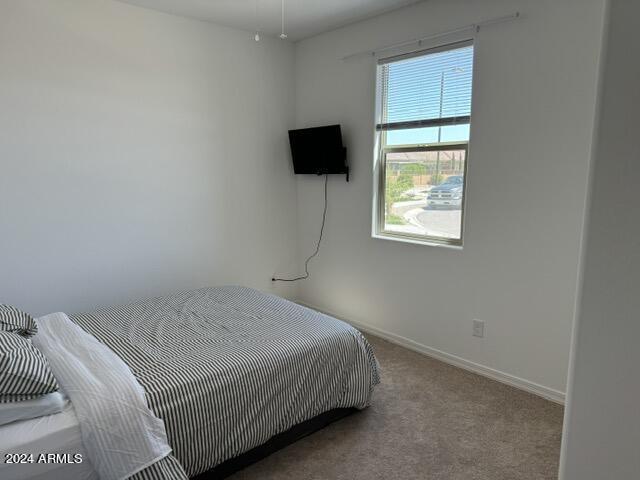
(318, 150)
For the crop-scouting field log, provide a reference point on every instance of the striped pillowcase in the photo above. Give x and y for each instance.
(14, 320)
(24, 371)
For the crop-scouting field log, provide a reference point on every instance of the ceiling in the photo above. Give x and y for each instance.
(303, 18)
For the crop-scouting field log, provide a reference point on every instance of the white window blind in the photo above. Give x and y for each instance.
(427, 90)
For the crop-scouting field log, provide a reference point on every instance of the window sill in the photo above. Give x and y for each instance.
(415, 241)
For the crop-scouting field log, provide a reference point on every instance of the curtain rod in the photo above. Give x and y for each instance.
(473, 26)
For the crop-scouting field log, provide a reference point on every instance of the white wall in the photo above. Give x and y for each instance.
(533, 112)
(140, 153)
(602, 421)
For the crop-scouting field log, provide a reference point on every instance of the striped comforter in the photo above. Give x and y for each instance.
(227, 368)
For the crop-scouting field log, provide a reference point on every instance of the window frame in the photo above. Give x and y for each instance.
(381, 149)
(381, 232)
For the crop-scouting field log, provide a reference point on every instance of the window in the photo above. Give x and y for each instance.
(424, 115)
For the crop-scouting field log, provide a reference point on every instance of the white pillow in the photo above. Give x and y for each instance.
(38, 407)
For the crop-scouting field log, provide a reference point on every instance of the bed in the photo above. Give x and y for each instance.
(231, 372)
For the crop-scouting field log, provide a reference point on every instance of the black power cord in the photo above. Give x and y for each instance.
(306, 263)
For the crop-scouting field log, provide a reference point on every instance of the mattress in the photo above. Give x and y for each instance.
(228, 368)
(51, 434)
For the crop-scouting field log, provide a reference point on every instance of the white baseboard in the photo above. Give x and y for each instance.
(549, 393)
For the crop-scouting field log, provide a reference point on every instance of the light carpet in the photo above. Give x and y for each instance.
(429, 420)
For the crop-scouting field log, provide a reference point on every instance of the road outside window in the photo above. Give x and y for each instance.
(424, 193)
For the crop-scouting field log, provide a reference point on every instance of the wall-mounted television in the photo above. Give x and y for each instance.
(318, 150)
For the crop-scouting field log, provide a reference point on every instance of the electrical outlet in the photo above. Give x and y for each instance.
(478, 328)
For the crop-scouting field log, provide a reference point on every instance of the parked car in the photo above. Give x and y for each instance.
(447, 194)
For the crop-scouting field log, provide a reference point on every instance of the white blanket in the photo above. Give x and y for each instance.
(121, 436)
